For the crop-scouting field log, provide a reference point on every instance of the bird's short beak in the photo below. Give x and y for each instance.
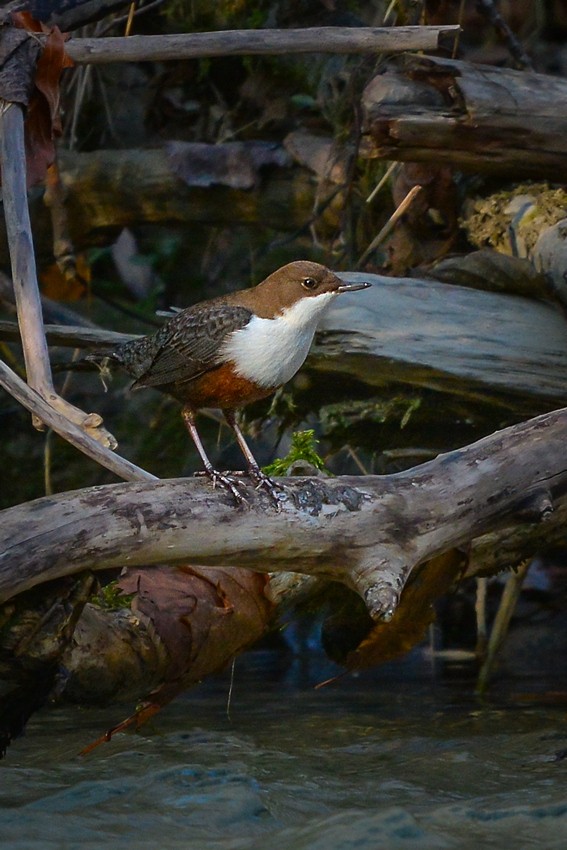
(352, 287)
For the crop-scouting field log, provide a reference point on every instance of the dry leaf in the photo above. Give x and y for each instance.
(55, 285)
(43, 123)
(203, 617)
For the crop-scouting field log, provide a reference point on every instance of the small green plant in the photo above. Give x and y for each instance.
(303, 447)
(111, 598)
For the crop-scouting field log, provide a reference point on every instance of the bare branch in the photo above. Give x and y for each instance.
(77, 436)
(26, 290)
(152, 48)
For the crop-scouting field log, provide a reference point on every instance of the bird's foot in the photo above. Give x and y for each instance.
(223, 479)
(275, 491)
(260, 480)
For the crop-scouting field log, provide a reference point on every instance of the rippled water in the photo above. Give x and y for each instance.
(367, 763)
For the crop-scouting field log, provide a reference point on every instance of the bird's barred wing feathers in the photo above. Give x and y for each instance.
(191, 344)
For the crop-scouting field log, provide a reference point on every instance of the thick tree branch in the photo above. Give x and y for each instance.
(367, 532)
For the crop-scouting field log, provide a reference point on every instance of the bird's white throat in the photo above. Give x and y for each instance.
(270, 351)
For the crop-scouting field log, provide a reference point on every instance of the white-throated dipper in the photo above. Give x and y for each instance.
(235, 349)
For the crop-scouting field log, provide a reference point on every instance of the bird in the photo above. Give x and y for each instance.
(232, 350)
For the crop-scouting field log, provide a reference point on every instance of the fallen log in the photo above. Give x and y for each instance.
(477, 118)
(108, 190)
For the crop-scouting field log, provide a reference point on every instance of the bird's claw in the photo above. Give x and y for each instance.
(224, 480)
(259, 479)
(275, 491)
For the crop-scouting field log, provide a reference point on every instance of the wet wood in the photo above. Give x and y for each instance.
(477, 118)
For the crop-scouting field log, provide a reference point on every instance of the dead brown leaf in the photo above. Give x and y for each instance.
(203, 617)
(58, 287)
(43, 123)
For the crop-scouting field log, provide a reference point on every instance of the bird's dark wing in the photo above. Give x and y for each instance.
(185, 347)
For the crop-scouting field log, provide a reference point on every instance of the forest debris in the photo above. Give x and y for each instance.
(408, 626)
(319, 154)
(154, 48)
(429, 227)
(43, 122)
(492, 271)
(512, 221)
(202, 618)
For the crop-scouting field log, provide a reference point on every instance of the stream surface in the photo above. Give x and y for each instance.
(394, 759)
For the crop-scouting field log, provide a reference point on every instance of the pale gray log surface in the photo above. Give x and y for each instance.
(368, 532)
(441, 336)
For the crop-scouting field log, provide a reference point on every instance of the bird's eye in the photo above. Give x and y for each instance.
(309, 283)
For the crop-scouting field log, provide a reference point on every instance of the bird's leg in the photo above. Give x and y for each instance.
(260, 478)
(188, 415)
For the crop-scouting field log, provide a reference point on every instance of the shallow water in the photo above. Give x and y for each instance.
(374, 761)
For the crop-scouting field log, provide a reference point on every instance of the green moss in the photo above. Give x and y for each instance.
(303, 447)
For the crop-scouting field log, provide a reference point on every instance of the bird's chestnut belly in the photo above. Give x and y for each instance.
(222, 388)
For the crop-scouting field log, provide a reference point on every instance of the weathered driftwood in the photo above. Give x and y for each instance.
(477, 118)
(368, 532)
(159, 48)
(449, 338)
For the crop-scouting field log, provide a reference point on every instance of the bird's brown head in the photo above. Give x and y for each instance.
(294, 282)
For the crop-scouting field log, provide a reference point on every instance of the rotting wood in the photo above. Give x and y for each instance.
(154, 48)
(367, 532)
(477, 118)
